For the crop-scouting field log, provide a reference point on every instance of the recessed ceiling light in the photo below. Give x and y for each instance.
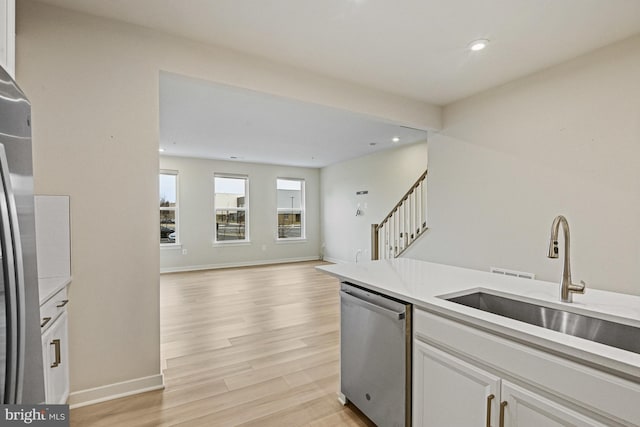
(395, 139)
(161, 150)
(477, 45)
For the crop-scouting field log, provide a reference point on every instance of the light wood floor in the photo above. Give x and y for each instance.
(249, 346)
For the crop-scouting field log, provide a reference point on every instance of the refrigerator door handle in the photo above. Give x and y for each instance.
(14, 272)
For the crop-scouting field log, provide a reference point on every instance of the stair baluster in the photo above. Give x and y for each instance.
(403, 225)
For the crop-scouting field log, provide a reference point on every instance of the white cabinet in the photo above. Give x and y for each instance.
(55, 347)
(465, 376)
(524, 408)
(451, 392)
(54, 271)
(55, 355)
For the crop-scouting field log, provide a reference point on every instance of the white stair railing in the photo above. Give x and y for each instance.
(404, 224)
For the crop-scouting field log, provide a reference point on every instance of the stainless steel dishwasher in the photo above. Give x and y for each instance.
(375, 355)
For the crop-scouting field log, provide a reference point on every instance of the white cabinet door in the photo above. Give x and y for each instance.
(448, 391)
(56, 361)
(527, 409)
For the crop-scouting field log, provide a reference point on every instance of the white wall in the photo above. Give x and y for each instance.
(95, 139)
(387, 175)
(94, 84)
(195, 182)
(562, 141)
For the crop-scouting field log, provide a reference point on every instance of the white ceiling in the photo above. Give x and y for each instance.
(208, 120)
(413, 48)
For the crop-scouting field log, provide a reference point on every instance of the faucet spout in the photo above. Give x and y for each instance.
(567, 288)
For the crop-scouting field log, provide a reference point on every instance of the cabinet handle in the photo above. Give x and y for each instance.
(502, 406)
(62, 303)
(45, 320)
(56, 345)
(489, 399)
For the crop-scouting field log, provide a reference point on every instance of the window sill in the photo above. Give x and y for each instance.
(290, 241)
(170, 246)
(231, 243)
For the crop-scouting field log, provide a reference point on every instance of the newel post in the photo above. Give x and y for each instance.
(374, 242)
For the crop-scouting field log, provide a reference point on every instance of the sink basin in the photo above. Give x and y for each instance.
(602, 331)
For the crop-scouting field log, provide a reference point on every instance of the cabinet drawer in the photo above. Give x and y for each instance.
(52, 308)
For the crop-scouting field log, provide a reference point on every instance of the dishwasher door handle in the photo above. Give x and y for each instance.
(371, 306)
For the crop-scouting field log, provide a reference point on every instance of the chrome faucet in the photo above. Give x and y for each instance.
(567, 289)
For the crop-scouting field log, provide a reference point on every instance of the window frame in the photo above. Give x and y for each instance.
(175, 209)
(245, 209)
(303, 211)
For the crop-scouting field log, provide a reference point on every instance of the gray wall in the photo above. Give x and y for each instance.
(562, 141)
(387, 176)
(195, 192)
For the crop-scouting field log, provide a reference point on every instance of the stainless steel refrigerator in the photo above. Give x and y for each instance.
(21, 371)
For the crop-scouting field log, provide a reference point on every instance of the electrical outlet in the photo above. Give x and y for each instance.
(184, 252)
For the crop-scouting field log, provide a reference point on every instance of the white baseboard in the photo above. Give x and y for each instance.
(335, 260)
(342, 398)
(91, 396)
(237, 264)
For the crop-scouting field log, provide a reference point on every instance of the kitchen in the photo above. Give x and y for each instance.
(566, 138)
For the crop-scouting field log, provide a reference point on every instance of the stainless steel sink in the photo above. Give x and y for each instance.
(603, 331)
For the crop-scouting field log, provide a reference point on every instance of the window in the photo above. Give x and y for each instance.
(290, 208)
(231, 203)
(168, 207)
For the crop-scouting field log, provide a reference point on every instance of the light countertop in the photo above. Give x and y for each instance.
(423, 284)
(49, 286)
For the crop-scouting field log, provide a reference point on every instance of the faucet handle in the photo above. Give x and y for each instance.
(578, 289)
